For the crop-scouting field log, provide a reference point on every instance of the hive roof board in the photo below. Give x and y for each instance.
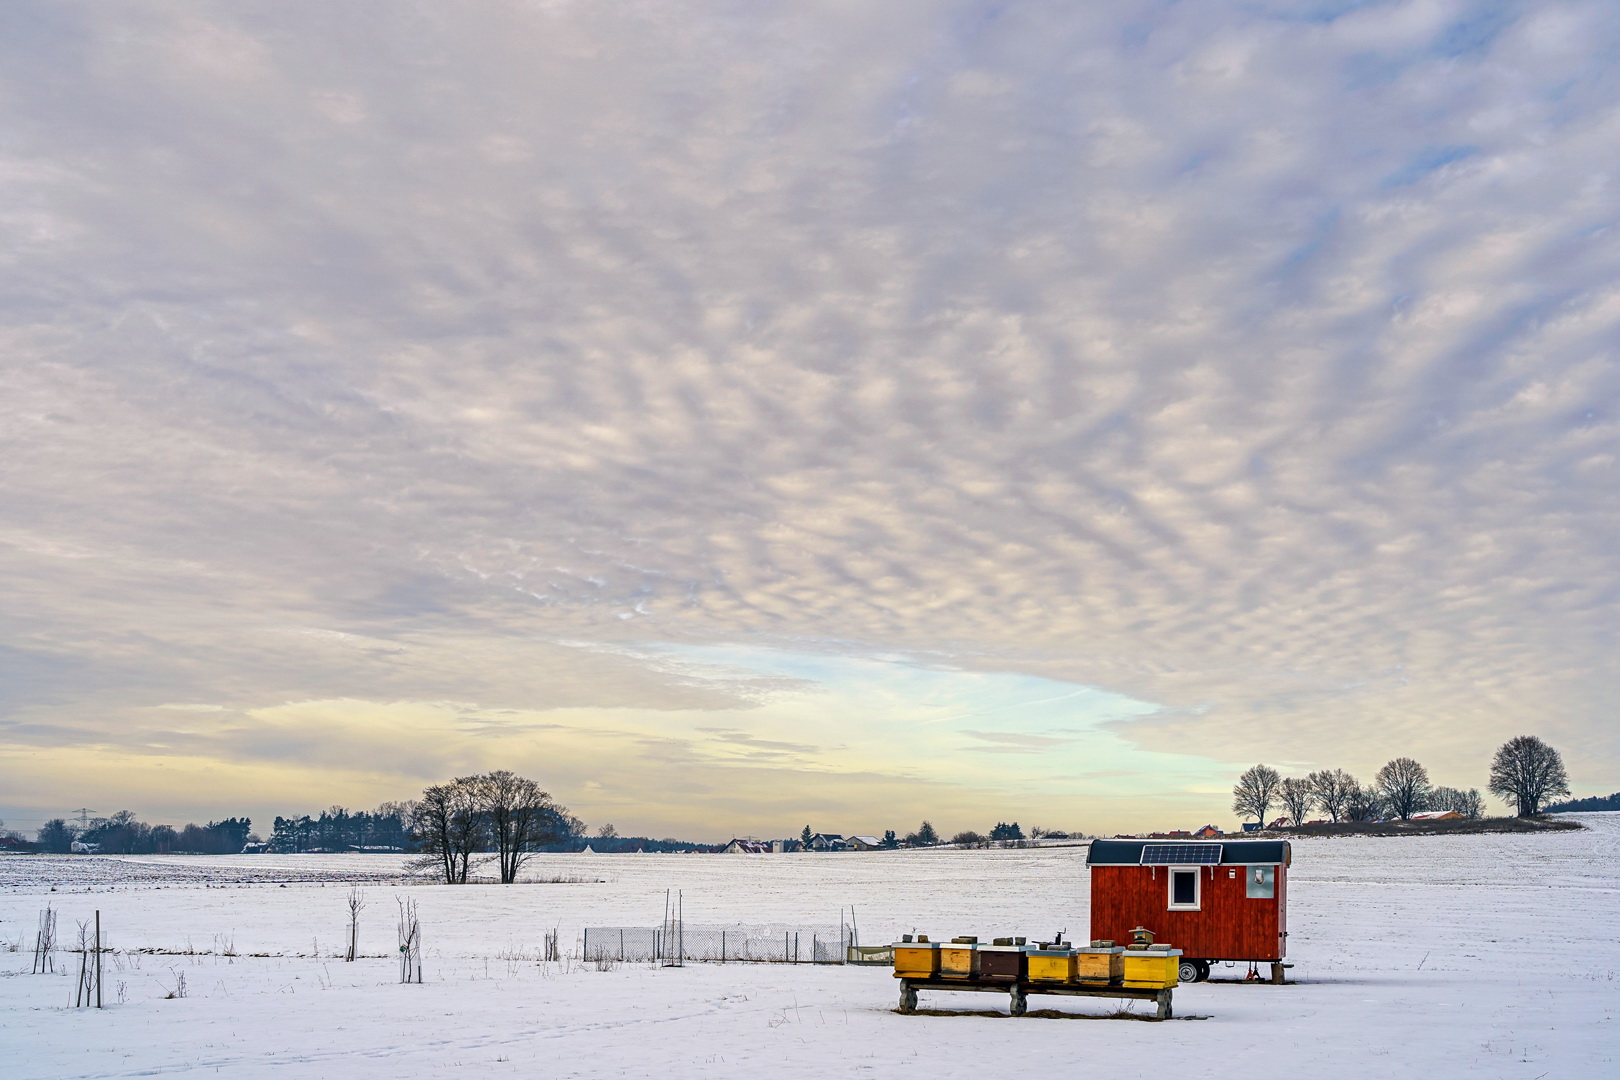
(1156, 853)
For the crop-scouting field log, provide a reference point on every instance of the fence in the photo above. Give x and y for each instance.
(746, 944)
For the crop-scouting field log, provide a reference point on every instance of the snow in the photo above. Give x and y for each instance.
(1489, 955)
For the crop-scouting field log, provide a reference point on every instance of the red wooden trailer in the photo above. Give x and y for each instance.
(1214, 901)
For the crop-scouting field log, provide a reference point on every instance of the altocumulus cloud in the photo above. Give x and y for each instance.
(678, 398)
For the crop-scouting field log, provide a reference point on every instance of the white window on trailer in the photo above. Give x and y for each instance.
(1186, 888)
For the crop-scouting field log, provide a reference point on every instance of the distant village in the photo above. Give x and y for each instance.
(1004, 834)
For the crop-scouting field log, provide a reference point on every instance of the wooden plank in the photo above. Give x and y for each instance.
(1017, 992)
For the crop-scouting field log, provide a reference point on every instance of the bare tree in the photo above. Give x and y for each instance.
(45, 943)
(1467, 803)
(521, 817)
(449, 827)
(1404, 784)
(1255, 791)
(1332, 788)
(1527, 774)
(1362, 803)
(357, 904)
(1297, 797)
(410, 942)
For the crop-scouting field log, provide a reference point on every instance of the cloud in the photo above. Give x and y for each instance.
(1254, 368)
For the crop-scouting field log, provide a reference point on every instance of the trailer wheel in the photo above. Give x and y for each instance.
(1188, 971)
(1203, 971)
(908, 999)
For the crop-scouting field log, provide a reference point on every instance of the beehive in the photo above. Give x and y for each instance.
(1152, 969)
(916, 959)
(1002, 963)
(958, 960)
(1099, 965)
(1051, 965)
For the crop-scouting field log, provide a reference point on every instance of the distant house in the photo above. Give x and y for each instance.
(79, 847)
(865, 843)
(1208, 832)
(1252, 826)
(1280, 823)
(1437, 815)
(746, 847)
(827, 842)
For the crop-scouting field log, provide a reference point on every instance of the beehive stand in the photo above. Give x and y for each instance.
(1018, 993)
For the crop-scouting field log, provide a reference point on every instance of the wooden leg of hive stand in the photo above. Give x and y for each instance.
(1019, 1003)
(1165, 1012)
(1277, 974)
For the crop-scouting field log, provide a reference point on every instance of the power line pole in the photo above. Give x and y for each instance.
(84, 813)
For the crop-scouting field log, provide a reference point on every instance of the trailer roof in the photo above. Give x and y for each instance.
(1187, 853)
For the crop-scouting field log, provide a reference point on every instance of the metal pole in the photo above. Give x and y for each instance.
(98, 958)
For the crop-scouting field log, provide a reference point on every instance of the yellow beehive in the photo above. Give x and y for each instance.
(958, 960)
(916, 959)
(1052, 965)
(1100, 965)
(1153, 969)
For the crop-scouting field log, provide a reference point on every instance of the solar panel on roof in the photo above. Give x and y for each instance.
(1180, 854)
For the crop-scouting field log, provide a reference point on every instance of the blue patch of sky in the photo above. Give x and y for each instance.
(910, 714)
(1475, 33)
(1322, 229)
(1465, 37)
(1303, 11)
(1425, 162)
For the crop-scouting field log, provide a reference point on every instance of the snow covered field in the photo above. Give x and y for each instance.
(1477, 956)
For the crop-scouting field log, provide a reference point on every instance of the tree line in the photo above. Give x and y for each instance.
(1525, 772)
(123, 834)
(386, 828)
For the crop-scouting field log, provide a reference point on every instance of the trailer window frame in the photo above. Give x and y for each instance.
(1197, 888)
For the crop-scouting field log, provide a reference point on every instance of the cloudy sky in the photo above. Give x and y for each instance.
(739, 415)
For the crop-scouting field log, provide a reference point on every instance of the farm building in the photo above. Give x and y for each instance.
(1213, 901)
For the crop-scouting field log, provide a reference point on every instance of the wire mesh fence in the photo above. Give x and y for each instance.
(737, 944)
